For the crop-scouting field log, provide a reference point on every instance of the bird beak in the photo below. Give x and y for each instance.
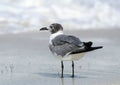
(43, 28)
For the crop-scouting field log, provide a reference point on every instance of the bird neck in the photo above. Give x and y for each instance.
(55, 35)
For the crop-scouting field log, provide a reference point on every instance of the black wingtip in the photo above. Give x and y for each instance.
(88, 44)
(98, 47)
(87, 50)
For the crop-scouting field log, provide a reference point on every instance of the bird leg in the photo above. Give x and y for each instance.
(62, 66)
(72, 68)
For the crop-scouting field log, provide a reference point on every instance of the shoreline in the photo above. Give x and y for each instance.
(27, 56)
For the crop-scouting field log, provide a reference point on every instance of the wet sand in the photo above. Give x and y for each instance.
(26, 60)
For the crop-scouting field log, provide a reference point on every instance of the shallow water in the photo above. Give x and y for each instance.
(26, 60)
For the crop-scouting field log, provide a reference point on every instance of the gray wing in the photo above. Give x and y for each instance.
(64, 44)
(63, 39)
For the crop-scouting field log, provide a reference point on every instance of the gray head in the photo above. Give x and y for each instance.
(53, 28)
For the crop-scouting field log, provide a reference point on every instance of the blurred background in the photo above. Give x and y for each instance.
(29, 15)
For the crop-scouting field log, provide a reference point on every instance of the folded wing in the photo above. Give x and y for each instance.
(63, 44)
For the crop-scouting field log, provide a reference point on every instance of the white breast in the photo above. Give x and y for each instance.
(72, 57)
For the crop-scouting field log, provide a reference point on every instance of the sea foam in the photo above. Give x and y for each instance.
(26, 15)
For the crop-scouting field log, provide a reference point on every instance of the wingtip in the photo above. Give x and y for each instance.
(95, 48)
(100, 46)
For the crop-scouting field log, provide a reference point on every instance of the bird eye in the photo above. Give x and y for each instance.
(51, 26)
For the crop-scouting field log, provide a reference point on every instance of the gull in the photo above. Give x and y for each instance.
(67, 47)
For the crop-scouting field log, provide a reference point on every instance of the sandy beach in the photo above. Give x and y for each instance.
(25, 59)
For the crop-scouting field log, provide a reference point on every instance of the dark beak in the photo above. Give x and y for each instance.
(44, 28)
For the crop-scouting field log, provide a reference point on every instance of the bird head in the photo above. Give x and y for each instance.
(53, 28)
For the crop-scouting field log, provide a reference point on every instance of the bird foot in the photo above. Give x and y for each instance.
(72, 76)
(62, 76)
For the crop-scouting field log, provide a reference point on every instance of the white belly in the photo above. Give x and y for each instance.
(72, 57)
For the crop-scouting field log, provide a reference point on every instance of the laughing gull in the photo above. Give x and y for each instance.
(67, 47)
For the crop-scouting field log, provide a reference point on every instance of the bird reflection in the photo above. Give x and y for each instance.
(71, 79)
